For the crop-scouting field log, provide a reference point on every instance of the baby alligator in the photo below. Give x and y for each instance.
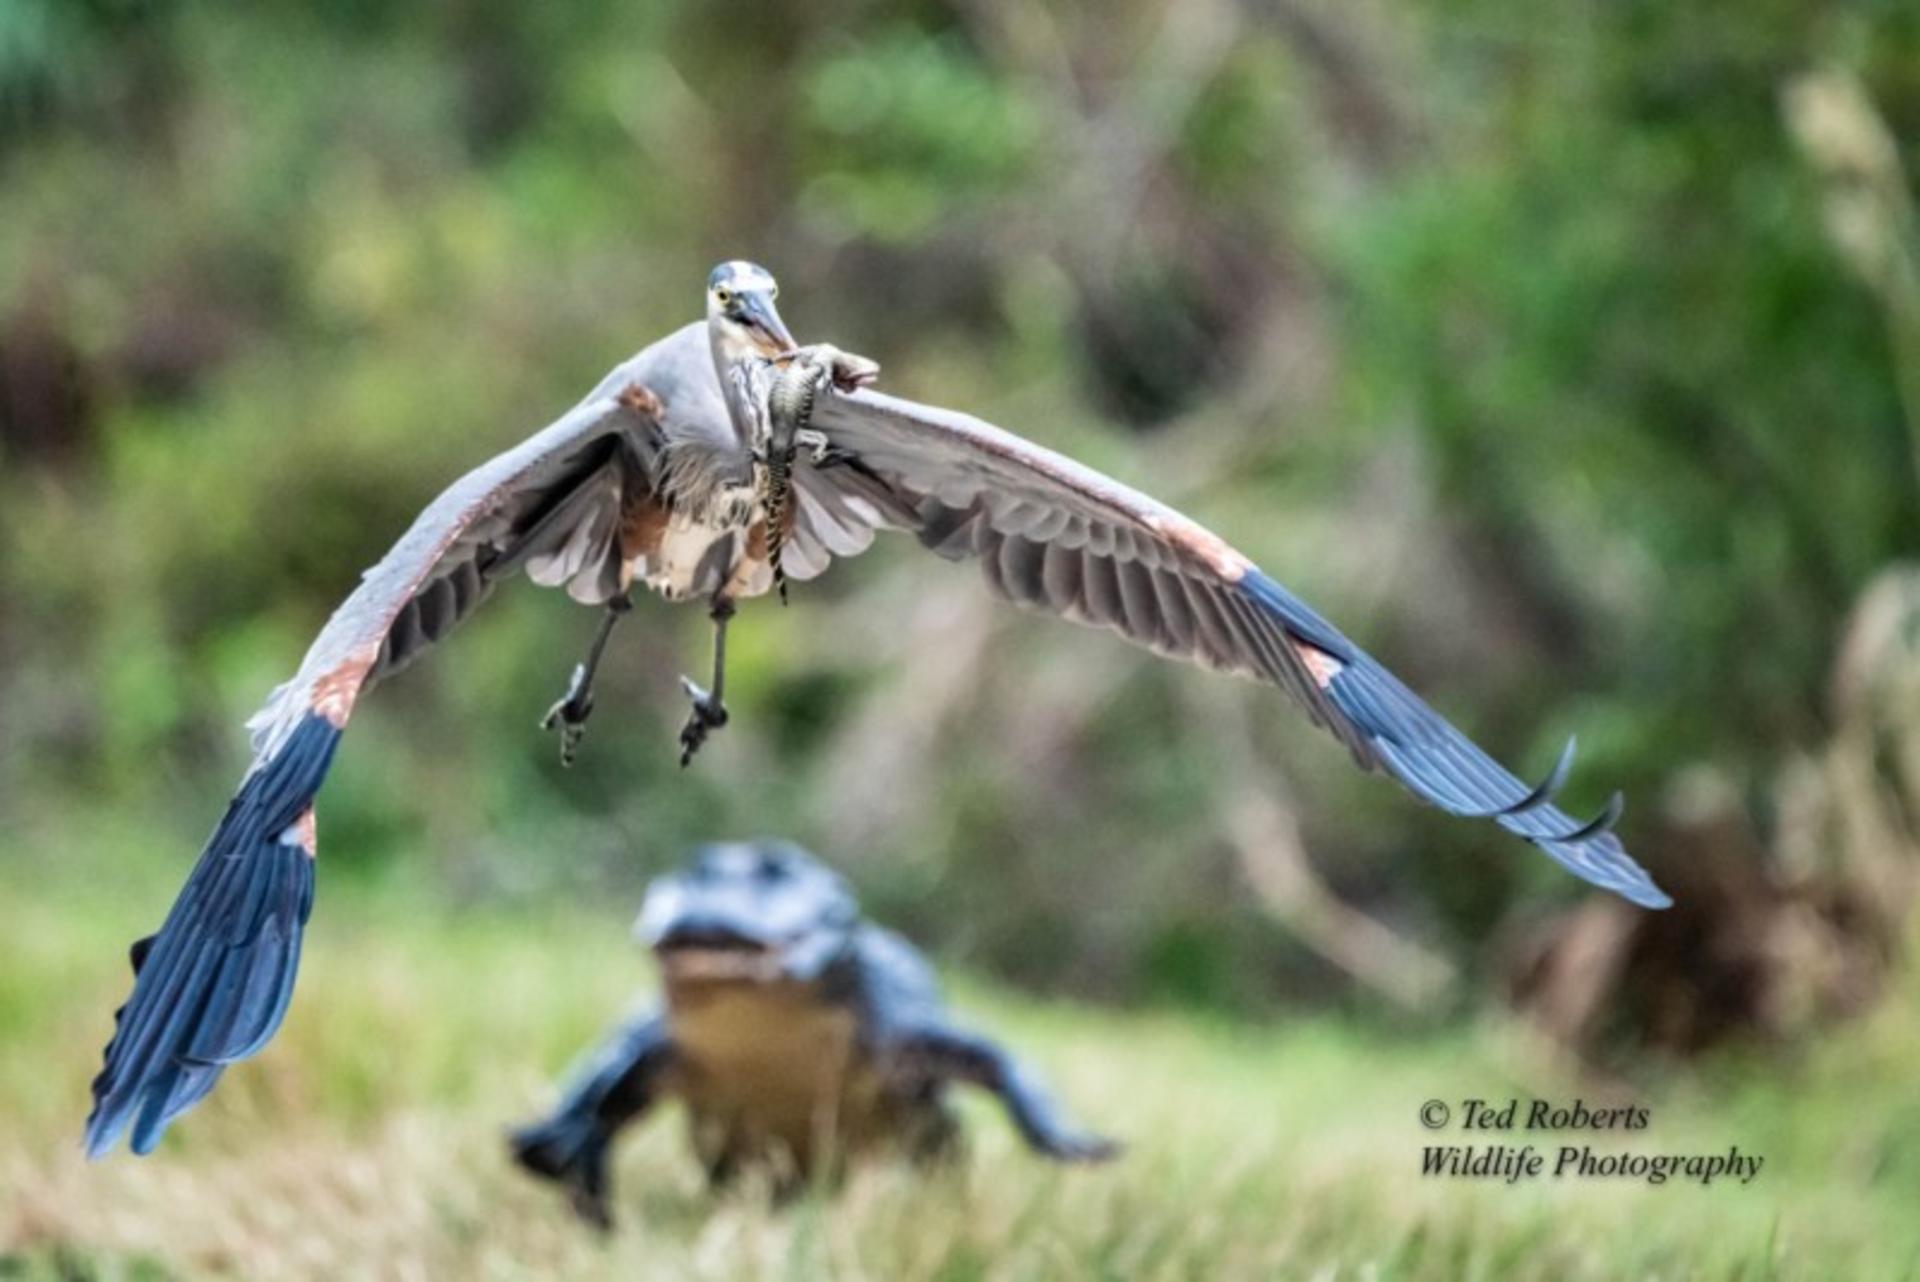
(802, 373)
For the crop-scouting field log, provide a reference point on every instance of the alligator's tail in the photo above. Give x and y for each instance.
(212, 985)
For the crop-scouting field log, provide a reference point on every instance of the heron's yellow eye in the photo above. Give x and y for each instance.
(722, 295)
(773, 292)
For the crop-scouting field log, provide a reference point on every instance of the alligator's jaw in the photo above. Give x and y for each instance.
(703, 966)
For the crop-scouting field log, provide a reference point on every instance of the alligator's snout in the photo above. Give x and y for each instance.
(747, 913)
(707, 948)
(702, 933)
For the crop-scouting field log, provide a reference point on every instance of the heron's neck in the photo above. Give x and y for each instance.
(743, 382)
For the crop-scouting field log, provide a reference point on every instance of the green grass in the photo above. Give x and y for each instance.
(365, 1141)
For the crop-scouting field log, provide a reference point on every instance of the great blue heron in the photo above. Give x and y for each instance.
(662, 476)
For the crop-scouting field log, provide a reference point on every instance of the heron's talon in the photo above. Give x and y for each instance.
(708, 715)
(570, 719)
(569, 715)
(567, 712)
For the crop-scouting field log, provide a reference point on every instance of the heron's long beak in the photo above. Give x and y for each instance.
(757, 312)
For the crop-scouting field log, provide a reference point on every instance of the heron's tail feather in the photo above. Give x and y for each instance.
(212, 985)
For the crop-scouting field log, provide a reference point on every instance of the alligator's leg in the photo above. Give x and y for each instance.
(709, 711)
(944, 1053)
(722, 1169)
(932, 1133)
(847, 370)
(614, 1084)
(814, 442)
(571, 713)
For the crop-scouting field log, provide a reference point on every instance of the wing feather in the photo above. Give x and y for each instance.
(1053, 534)
(213, 983)
(1175, 615)
(550, 504)
(1061, 578)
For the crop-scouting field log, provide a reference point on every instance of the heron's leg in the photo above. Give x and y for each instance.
(709, 712)
(576, 705)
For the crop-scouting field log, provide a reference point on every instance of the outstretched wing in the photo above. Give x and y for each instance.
(551, 505)
(1057, 536)
(835, 514)
(212, 985)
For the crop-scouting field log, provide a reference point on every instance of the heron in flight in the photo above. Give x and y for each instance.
(719, 459)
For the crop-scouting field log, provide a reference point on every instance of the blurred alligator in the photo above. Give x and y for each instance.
(796, 1033)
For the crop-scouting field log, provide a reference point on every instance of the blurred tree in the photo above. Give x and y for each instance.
(1523, 348)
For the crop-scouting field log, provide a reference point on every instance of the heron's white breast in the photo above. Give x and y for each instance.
(682, 566)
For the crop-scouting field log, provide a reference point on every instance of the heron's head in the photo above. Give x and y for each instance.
(747, 913)
(740, 310)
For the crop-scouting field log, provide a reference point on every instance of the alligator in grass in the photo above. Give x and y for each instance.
(796, 1033)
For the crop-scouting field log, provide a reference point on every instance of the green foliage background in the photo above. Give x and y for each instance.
(1568, 357)
(1520, 342)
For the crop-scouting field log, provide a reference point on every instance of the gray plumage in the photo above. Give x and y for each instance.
(657, 478)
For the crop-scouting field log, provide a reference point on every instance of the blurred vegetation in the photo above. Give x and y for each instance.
(1544, 354)
(366, 1142)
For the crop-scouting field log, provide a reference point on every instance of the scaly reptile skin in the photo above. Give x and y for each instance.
(796, 1035)
(789, 409)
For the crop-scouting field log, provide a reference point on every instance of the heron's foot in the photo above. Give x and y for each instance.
(569, 716)
(708, 715)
